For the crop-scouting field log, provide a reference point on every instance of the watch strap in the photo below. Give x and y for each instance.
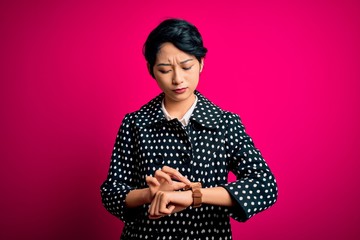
(196, 193)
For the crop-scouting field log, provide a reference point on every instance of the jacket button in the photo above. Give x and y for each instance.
(196, 126)
(186, 158)
(159, 159)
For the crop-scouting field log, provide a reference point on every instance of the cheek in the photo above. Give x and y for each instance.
(194, 76)
(161, 81)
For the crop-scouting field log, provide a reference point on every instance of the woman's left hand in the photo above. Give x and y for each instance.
(168, 202)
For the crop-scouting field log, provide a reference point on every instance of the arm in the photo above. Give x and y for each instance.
(121, 177)
(255, 188)
(138, 197)
(120, 192)
(217, 196)
(168, 202)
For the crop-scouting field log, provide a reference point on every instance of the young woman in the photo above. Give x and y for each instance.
(168, 177)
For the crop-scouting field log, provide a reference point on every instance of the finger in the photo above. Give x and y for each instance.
(154, 217)
(152, 181)
(150, 212)
(153, 205)
(178, 185)
(159, 174)
(158, 202)
(163, 205)
(175, 174)
(165, 210)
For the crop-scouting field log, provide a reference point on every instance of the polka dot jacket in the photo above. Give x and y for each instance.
(211, 145)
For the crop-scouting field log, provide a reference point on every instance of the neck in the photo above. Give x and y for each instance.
(177, 109)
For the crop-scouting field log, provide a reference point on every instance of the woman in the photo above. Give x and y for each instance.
(170, 164)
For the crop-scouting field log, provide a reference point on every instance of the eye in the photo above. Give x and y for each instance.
(164, 71)
(187, 68)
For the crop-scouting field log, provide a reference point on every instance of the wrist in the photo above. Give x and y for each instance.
(196, 190)
(189, 198)
(147, 196)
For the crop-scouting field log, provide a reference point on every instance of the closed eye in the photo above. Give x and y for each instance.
(187, 68)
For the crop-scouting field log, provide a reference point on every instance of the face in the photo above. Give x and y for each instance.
(177, 73)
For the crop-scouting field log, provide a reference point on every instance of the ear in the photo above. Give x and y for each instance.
(201, 64)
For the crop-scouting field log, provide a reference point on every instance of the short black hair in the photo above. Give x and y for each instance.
(184, 35)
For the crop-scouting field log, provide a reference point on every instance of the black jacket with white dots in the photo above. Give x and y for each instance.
(212, 144)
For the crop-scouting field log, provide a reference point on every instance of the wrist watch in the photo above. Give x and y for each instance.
(196, 193)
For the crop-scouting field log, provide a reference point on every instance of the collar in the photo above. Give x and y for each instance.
(186, 118)
(205, 114)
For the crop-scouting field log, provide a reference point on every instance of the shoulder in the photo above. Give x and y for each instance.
(210, 114)
(148, 107)
(148, 114)
(226, 114)
(231, 117)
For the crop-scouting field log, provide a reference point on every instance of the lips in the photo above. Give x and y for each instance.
(180, 90)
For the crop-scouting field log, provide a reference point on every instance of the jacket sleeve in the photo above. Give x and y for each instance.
(255, 188)
(122, 173)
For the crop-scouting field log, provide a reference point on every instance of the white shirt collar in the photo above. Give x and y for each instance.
(186, 118)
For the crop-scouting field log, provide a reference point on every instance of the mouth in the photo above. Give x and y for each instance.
(180, 90)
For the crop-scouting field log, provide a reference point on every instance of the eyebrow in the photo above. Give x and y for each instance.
(168, 64)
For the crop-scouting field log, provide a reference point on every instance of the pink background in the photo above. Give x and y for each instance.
(70, 70)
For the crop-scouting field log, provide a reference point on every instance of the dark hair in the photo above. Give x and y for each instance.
(184, 35)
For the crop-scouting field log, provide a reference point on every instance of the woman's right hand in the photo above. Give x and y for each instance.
(163, 181)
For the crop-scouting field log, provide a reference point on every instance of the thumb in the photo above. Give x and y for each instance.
(171, 207)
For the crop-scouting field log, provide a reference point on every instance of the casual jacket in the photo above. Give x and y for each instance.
(211, 145)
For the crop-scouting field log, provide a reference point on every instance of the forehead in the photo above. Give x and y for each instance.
(168, 53)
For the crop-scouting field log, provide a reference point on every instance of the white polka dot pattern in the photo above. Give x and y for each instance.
(211, 145)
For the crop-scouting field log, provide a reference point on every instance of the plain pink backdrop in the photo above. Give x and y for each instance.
(71, 70)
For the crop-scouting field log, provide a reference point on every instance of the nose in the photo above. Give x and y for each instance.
(178, 78)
